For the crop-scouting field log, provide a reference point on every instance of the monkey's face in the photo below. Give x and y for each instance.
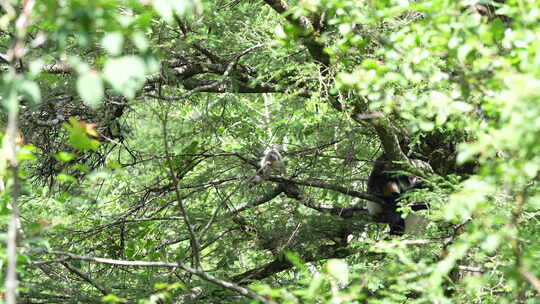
(272, 156)
(391, 188)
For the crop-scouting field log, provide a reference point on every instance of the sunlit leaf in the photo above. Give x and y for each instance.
(140, 41)
(338, 269)
(65, 178)
(65, 156)
(126, 74)
(90, 87)
(112, 299)
(168, 8)
(113, 43)
(78, 137)
(30, 90)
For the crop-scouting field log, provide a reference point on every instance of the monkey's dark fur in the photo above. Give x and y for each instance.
(389, 186)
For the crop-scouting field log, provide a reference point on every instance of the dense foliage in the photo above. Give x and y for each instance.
(133, 132)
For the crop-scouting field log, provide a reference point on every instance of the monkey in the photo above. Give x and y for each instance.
(389, 187)
(272, 161)
(254, 181)
(487, 9)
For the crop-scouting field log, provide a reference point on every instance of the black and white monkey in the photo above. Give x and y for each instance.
(389, 187)
(489, 9)
(272, 161)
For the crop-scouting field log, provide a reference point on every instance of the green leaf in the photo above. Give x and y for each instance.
(314, 285)
(35, 67)
(27, 153)
(77, 136)
(112, 299)
(126, 74)
(65, 156)
(78, 64)
(90, 87)
(492, 242)
(113, 165)
(338, 269)
(30, 90)
(464, 51)
(65, 178)
(164, 9)
(140, 41)
(113, 43)
(80, 167)
(295, 260)
(167, 8)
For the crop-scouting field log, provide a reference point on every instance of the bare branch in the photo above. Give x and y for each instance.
(264, 199)
(535, 282)
(83, 276)
(60, 67)
(180, 201)
(340, 189)
(4, 58)
(198, 272)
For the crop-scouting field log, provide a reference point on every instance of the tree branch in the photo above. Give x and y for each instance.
(389, 140)
(340, 189)
(83, 276)
(308, 38)
(200, 273)
(281, 264)
(265, 198)
(535, 282)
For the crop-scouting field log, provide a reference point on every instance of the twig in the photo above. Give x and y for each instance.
(264, 199)
(535, 282)
(340, 189)
(193, 238)
(83, 276)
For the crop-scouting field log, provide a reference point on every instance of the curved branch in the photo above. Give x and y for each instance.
(85, 277)
(281, 264)
(265, 198)
(200, 273)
